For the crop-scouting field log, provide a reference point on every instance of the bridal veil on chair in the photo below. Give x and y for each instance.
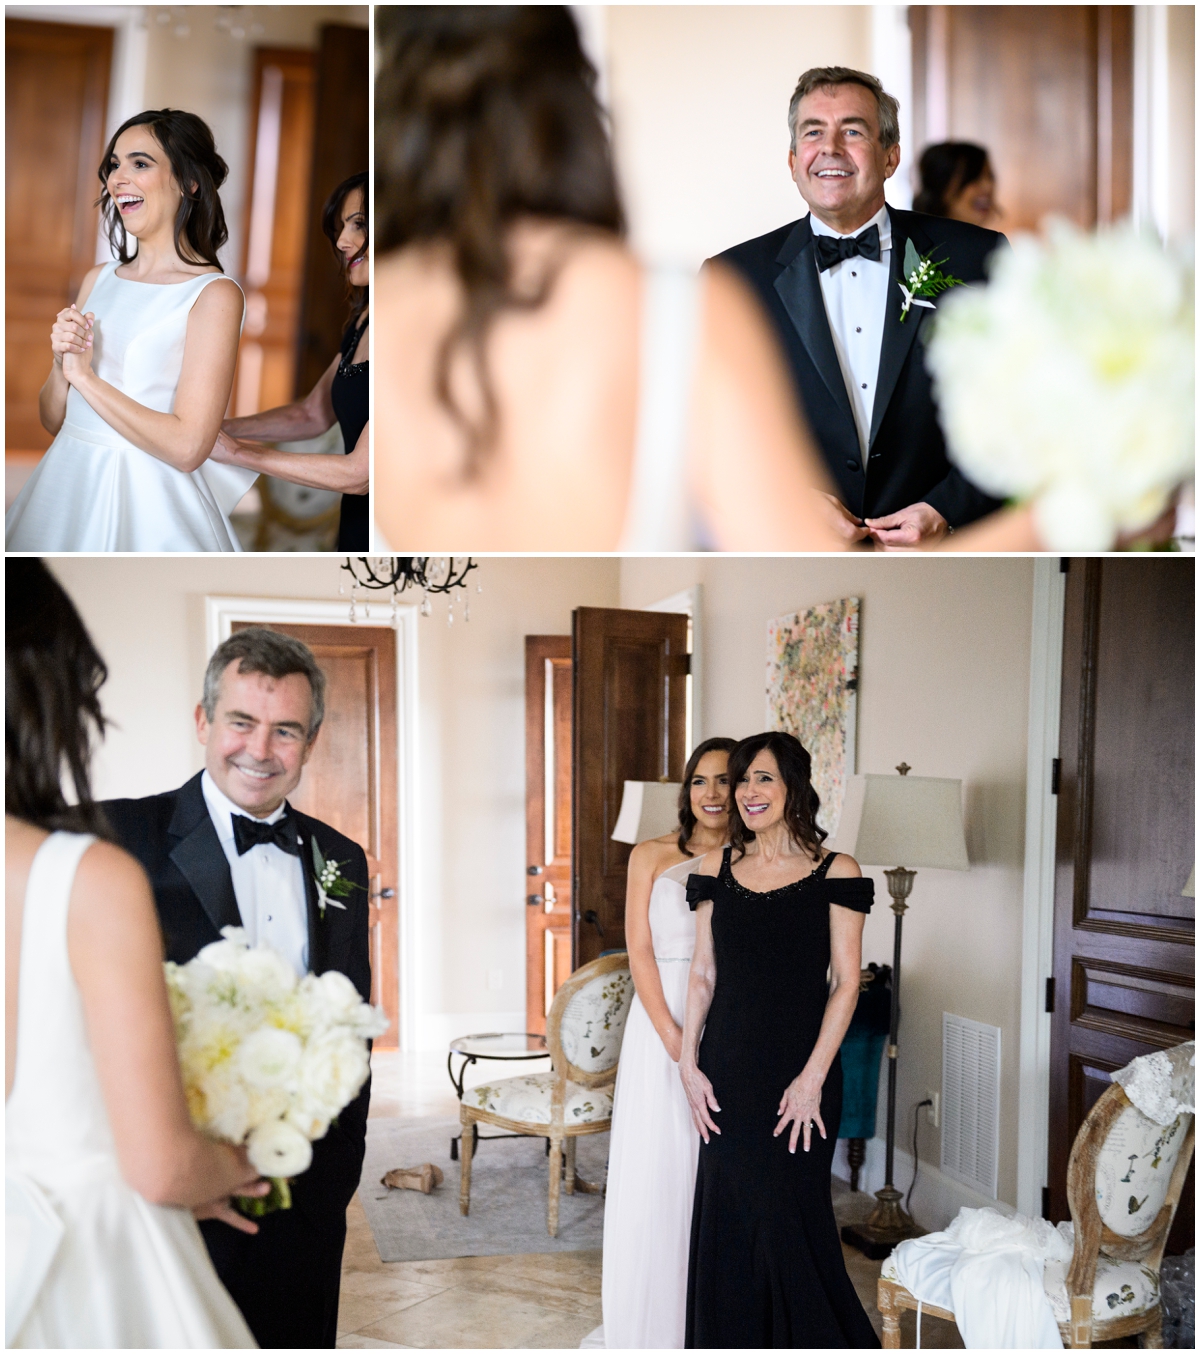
(584, 1031)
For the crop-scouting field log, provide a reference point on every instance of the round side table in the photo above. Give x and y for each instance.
(473, 1048)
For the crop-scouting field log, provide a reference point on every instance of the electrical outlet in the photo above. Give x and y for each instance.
(935, 1110)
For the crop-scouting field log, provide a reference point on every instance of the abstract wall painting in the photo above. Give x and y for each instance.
(812, 692)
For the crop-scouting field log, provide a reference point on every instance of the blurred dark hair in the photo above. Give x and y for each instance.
(200, 222)
(485, 115)
(331, 224)
(802, 802)
(945, 168)
(52, 674)
(687, 819)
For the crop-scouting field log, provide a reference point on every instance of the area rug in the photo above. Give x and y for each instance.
(509, 1181)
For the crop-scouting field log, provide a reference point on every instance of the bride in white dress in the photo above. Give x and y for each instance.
(102, 1164)
(143, 363)
(654, 1146)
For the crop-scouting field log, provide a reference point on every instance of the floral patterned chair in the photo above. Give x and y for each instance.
(1124, 1180)
(584, 1031)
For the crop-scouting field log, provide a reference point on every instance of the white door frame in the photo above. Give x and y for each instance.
(220, 614)
(690, 602)
(1037, 929)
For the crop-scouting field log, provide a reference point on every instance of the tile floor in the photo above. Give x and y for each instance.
(504, 1301)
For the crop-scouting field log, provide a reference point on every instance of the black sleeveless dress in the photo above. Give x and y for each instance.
(349, 394)
(766, 1268)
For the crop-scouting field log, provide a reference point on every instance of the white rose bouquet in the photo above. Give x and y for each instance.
(1069, 381)
(268, 1059)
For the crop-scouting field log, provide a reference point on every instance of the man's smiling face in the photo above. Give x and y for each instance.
(838, 164)
(256, 744)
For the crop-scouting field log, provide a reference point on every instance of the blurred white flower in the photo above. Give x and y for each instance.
(279, 1150)
(269, 1057)
(1069, 381)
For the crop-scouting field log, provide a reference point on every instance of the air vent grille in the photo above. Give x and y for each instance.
(970, 1102)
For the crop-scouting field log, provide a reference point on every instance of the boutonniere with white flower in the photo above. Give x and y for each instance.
(924, 278)
(331, 883)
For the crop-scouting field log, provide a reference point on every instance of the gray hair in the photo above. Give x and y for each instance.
(821, 77)
(274, 655)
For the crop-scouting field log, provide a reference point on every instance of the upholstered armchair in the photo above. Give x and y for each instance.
(1124, 1180)
(584, 1031)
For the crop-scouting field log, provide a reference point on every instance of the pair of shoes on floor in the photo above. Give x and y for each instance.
(426, 1178)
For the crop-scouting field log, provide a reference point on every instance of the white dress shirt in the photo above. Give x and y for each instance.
(855, 294)
(268, 883)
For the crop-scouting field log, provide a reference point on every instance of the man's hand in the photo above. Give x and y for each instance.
(838, 517)
(908, 529)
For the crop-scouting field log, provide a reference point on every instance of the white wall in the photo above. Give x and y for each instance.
(699, 98)
(943, 685)
(147, 619)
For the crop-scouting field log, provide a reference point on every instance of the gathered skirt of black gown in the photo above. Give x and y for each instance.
(766, 1268)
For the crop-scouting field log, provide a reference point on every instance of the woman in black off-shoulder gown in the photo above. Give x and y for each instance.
(766, 1267)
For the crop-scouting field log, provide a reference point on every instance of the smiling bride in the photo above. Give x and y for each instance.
(143, 362)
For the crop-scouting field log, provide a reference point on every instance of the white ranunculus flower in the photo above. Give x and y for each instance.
(279, 1151)
(267, 972)
(309, 1119)
(269, 1057)
(333, 1070)
(339, 995)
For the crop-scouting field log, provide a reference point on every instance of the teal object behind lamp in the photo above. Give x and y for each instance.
(862, 1053)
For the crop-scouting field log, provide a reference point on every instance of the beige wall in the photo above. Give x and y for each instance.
(699, 98)
(147, 618)
(943, 685)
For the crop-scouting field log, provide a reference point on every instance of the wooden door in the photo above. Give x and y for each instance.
(282, 112)
(350, 780)
(340, 149)
(547, 823)
(1124, 936)
(56, 100)
(630, 723)
(1048, 89)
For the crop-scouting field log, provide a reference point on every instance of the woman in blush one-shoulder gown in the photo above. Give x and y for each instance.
(652, 1156)
(143, 363)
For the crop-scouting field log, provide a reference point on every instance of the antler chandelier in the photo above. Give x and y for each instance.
(433, 574)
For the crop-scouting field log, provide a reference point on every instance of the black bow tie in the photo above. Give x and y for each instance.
(833, 249)
(251, 832)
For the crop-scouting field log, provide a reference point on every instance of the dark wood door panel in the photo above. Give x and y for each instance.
(1124, 936)
(630, 724)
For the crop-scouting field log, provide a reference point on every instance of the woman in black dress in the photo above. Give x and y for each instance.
(773, 986)
(340, 396)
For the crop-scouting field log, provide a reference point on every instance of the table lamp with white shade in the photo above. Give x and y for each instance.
(649, 808)
(885, 819)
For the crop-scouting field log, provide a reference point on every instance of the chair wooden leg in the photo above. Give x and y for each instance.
(1152, 1336)
(569, 1182)
(1081, 1322)
(467, 1152)
(885, 1295)
(556, 1160)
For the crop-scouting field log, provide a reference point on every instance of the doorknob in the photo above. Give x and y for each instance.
(590, 915)
(534, 869)
(384, 893)
(534, 899)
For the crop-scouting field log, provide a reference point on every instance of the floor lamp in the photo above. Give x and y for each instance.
(917, 819)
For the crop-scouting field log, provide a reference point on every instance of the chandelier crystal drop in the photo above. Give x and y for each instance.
(433, 574)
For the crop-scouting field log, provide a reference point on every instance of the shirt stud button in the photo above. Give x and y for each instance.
(853, 274)
(858, 329)
(864, 385)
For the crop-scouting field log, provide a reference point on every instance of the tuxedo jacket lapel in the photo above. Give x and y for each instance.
(897, 338)
(318, 926)
(200, 858)
(800, 291)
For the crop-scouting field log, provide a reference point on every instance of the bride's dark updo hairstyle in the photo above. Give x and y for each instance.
(332, 222)
(198, 170)
(485, 115)
(687, 819)
(52, 674)
(802, 802)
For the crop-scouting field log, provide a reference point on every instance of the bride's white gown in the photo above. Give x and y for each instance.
(88, 1262)
(93, 490)
(653, 1152)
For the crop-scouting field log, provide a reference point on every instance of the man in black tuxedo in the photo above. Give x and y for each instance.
(831, 284)
(227, 850)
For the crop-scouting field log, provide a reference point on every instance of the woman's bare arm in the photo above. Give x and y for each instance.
(115, 951)
(349, 474)
(640, 943)
(69, 334)
(294, 422)
(183, 438)
(801, 1103)
(756, 475)
(702, 982)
